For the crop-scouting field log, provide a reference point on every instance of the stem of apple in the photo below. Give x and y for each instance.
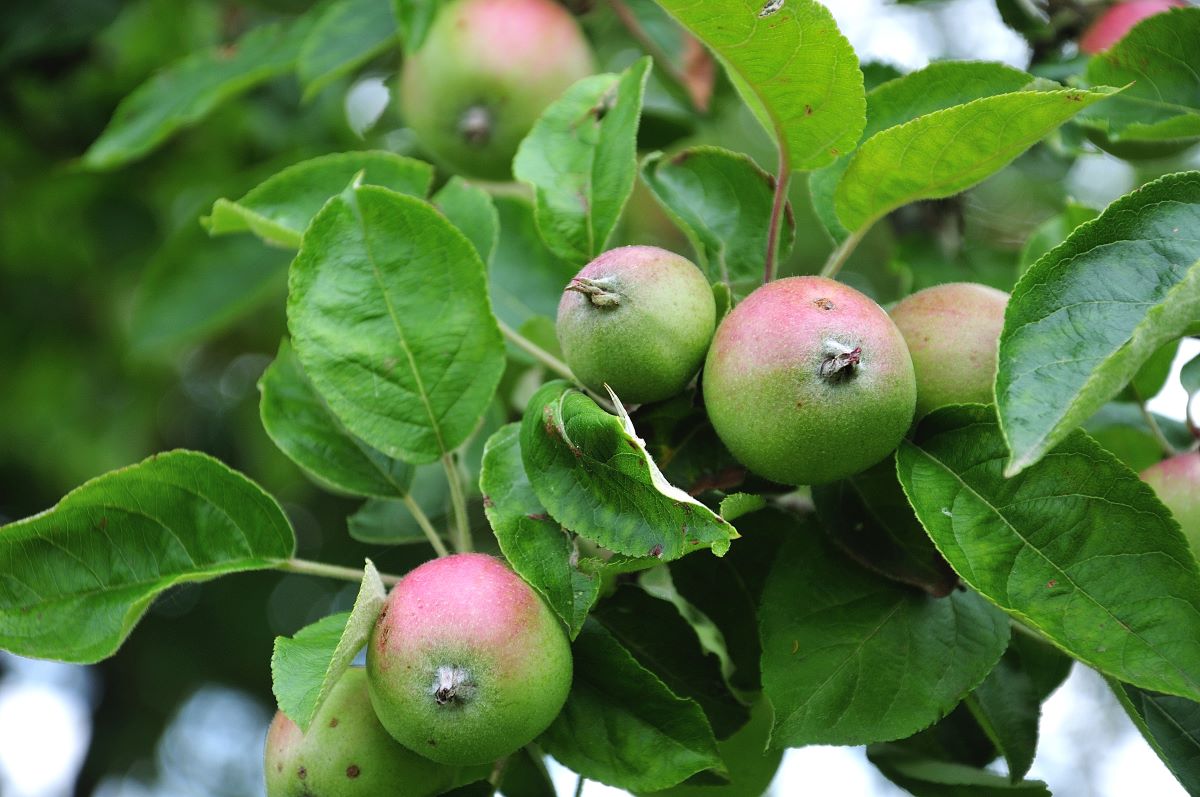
(431, 534)
(458, 498)
(778, 203)
(839, 256)
(309, 568)
(551, 363)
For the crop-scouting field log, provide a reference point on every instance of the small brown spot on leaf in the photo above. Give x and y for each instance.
(333, 723)
(352, 771)
(656, 551)
(808, 110)
(1052, 583)
(488, 503)
(538, 516)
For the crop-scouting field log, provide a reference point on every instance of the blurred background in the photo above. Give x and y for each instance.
(125, 330)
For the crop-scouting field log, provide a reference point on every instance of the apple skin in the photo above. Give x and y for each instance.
(645, 327)
(808, 381)
(953, 333)
(484, 74)
(347, 753)
(1116, 21)
(1176, 481)
(466, 664)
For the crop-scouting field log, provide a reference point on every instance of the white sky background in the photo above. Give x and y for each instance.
(1088, 748)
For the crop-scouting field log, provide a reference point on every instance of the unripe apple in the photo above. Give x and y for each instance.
(466, 664)
(809, 381)
(953, 333)
(1116, 21)
(751, 765)
(484, 74)
(1176, 481)
(347, 753)
(639, 319)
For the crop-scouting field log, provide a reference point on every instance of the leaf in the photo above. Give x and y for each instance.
(1158, 62)
(1007, 708)
(738, 504)
(664, 643)
(1189, 376)
(621, 726)
(794, 68)
(1131, 278)
(525, 279)
(925, 777)
(390, 318)
(346, 35)
(868, 517)
(279, 209)
(850, 657)
(684, 64)
(945, 152)
(580, 158)
(1076, 546)
(1053, 232)
(391, 522)
(470, 209)
(305, 667)
(301, 425)
(194, 288)
(75, 579)
(592, 473)
(187, 91)
(938, 86)
(413, 18)
(536, 546)
(722, 200)
(525, 775)
(1171, 725)
(682, 441)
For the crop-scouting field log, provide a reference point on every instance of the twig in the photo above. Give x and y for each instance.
(778, 203)
(579, 786)
(310, 568)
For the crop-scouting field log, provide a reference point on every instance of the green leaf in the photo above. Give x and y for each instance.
(1189, 376)
(925, 777)
(525, 775)
(184, 93)
(536, 546)
(664, 643)
(738, 504)
(850, 657)
(279, 209)
(305, 667)
(346, 35)
(301, 425)
(75, 579)
(868, 517)
(592, 473)
(945, 152)
(413, 18)
(621, 726)
(1171, 725)
(1007, 708)
(389, 315)
(195, 287)
(1131, 278)
(1076, 546)
(716, 588)
(938, 86)
(470, 209)
(722, 200)
(525, 278)
(580, 158)
(682, 441)
(1159, 63)
(794, 68)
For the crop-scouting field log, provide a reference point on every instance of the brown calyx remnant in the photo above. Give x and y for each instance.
(840, 364)
(475, 125)
(598, 291)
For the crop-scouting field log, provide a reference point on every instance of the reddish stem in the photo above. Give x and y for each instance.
(777, 206)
